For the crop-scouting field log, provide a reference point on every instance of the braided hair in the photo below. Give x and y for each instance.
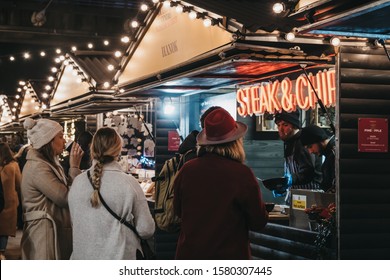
(106, 147)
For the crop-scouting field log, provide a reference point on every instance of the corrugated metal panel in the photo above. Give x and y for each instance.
(364, 178)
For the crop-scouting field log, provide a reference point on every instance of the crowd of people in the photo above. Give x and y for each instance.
(63, 216)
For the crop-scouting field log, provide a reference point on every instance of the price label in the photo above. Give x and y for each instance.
(299, 202)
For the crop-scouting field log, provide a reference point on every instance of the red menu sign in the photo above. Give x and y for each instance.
(373, 135)
(173, 140)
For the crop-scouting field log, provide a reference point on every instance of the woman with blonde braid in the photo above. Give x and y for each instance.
(96, 233)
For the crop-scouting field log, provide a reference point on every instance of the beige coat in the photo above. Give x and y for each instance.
(10, 178)
(47, 232)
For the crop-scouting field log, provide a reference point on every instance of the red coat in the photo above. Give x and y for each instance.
(219, 201)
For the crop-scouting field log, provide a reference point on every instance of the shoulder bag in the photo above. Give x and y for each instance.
(147, 253)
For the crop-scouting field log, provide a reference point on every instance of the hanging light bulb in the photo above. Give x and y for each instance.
(335, 41)
(125, 39)
(192, 15)
(290, 36)
(285, 7)
(168, 107)
(134, 24)
(278, 8)
(179, 9)
(144, 7)
(207, 22)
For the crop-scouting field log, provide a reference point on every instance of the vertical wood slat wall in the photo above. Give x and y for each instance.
(364, 178)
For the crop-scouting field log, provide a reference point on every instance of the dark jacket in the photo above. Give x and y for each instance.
(188, 147)
(304, 168)
(219, 201)
(328, 166)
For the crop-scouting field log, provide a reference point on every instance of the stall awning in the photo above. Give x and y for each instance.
(188, 57)
(95, 103)
(82, 73)
(30, 102)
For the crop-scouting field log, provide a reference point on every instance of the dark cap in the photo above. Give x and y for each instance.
(312, 134)
(292, 118)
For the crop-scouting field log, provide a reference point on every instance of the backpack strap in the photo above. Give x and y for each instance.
(121, 220)
(183, 158)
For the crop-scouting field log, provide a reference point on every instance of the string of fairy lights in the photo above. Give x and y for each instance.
(41, 100)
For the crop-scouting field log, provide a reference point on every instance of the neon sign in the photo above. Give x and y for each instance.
(287, 95)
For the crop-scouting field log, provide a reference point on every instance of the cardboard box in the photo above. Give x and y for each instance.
(302, 199)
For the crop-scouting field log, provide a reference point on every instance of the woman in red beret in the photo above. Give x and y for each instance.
(216, 196)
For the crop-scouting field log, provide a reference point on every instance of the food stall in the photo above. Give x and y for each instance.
(81, 91)
(193, 69)
(225, 54)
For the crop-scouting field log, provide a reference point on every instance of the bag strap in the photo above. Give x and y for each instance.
(121, 220)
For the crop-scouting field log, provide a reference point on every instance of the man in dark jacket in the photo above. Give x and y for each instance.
(318, 142)
(187, 148)
(302, 170)
(84, 140)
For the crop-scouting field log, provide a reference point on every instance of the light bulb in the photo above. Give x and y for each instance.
(278, 8)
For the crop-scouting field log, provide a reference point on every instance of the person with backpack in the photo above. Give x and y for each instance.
(216, 196)
(10, 178)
